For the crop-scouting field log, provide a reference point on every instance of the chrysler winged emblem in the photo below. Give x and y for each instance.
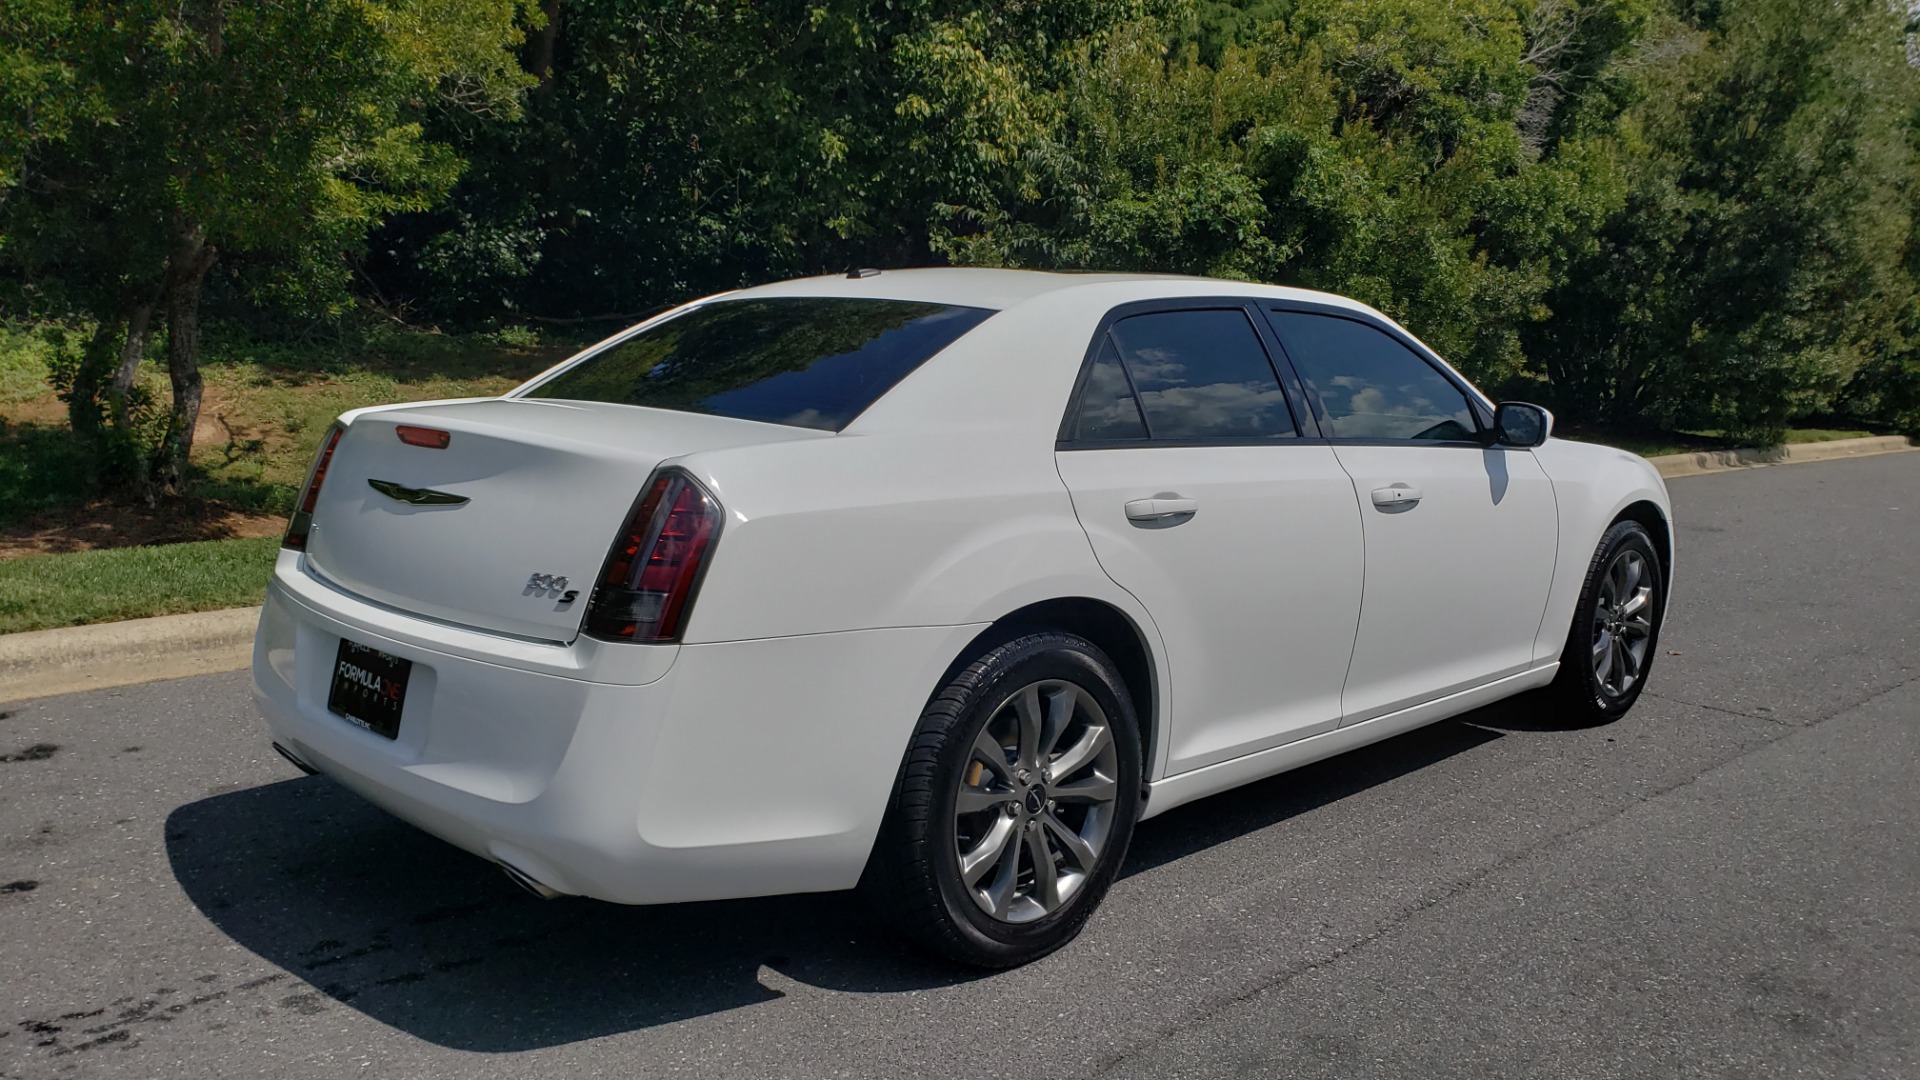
(415, 496)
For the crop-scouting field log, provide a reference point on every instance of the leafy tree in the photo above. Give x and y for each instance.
(1367, 147)
(1658, 212)
(1756, 260)
(38, 95)
(1622, 198)
(1207, 27)
(273, 133)
(1886, 390)
(682, 146)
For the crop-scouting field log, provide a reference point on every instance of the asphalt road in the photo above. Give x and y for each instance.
(1724, 884)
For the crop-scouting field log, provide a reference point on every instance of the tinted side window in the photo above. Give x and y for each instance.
(813, 362)
(1108, 409)
(1372, 386)
(1203, 375)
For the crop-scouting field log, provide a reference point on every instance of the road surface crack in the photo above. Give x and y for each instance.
(1783, 721)
(1106, 1063)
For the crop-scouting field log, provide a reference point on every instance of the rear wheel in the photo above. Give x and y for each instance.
(1015, 805)
(1616, 627)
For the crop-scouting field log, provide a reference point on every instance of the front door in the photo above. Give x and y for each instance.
(1240, 539)
(1460, 535)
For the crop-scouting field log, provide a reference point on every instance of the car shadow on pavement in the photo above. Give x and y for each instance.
(438, 943)
(428, 939)
(1231, 814)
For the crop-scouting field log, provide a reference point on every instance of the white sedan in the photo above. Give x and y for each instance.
(935, 582)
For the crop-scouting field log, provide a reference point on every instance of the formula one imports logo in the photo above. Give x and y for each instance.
(368, 681)
(548, 584)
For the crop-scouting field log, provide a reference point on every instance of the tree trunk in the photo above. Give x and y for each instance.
(132, 351)
(186, 272)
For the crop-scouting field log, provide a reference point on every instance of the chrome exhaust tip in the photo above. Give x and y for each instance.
(530, 883)
(297, 763)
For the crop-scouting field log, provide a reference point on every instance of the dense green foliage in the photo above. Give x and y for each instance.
(679, 147)
(1756, 270)
(1692, 214)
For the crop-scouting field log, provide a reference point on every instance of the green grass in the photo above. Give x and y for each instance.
(26, 354)
(267, 404)
(274, 400)
(44, 591)
(1807, 435)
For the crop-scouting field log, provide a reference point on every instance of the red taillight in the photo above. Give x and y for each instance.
(302, 521)
(431, 438)
(654, 568)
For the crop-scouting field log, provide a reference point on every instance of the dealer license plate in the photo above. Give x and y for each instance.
(369, 687)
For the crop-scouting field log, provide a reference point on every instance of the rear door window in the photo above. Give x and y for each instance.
(813, 362)
(1197, 375)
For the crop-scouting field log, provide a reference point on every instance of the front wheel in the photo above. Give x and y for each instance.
(1015, 805)
(1616, 628)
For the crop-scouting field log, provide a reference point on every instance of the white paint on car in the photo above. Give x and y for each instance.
(1288, 615)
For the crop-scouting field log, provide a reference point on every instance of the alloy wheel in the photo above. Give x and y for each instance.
(1036, 799)
(1622, 623)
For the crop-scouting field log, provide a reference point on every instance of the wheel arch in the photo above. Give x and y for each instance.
(1654, 519)
(1113, 630)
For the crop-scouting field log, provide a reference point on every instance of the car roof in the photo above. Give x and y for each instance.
(1002, 289)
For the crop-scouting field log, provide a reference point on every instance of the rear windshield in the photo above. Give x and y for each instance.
(813, 362)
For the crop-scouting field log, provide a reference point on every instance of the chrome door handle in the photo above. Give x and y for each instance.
(1160, 507)
(1397, 495)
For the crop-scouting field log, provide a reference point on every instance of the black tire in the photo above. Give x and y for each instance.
(914, 877)
(1587, 694)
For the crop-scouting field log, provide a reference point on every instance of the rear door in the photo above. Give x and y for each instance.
(1241, 539)
(1460, 535)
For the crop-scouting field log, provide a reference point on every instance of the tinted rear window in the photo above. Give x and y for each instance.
(813, 362)
(1203, 375)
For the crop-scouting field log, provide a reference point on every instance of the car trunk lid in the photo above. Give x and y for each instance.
(524, 493)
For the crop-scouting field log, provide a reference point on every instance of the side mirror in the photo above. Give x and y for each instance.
(1516, 423)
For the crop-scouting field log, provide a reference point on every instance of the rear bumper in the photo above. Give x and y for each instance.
(733, 769)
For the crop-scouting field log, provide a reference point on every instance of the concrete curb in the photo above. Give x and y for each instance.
(42, 663)
(1711, 461)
